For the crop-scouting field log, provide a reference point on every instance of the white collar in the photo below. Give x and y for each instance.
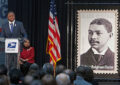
(102, 53)
(11, 22)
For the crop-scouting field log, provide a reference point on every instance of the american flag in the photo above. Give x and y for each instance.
(53, 44)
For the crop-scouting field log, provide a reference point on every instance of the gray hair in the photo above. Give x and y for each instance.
(62, 79)
(34, 66)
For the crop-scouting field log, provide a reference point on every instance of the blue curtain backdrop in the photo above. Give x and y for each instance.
(35, 14)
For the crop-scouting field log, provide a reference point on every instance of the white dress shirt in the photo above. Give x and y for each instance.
(10, 24)
(101, 53)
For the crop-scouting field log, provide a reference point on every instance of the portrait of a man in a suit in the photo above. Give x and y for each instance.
(99, 54)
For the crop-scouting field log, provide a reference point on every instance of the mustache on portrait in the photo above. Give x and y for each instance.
(93, 41)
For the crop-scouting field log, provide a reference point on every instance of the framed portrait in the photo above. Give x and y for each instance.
(97, 40)
(93, 38)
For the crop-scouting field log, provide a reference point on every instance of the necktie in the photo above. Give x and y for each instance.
(11, 25)
(98, 57)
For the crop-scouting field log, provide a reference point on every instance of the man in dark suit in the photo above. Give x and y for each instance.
(12, 29)
(100, 31)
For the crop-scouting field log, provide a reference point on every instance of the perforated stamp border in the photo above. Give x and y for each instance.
(98, 14)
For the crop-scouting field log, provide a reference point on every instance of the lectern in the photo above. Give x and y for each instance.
(10, 51)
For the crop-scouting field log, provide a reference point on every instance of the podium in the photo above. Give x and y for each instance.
(10, 51)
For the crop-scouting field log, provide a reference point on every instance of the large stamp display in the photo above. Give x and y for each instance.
(97, 40)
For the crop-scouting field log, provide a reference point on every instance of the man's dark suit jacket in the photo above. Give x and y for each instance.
(88, 59)
(18, 30)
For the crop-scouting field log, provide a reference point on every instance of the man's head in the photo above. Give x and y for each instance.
(28, 79)
(60, 69)
(48, 68)
(100, 31)
(89, 75)
(34, 66)
(15, 75)
(48, 79)
(71, 74)
(63, 79)
(4, 80)
(11, 16)
(80, 71)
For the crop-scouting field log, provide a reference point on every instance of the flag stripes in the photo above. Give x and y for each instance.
(53, 44)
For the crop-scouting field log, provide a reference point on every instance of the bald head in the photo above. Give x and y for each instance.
(62, 79)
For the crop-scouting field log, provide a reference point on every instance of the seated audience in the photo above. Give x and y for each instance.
(62, 79)
(89, 76)
(34, 66)
(3, 69)
(34, 74)
(60, 69)
(48, 79)
(28, 80)
(41, 73)
(80, 71)
(26, 56)
(48, 68)
(71, 74)
(4, 80)
(34, 70)
(15, 76)
(36, 82)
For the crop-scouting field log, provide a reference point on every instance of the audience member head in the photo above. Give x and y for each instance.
(48, 79)
(80, 71)
(15, 76)
(34, 66)
(28, 80)
(89, 74)
(62, 79)
(41, 73)
(34, 74)
(48, 68)
(3, 69)
(36, 82)
(60, 69)
(71, 74)
(4, 80)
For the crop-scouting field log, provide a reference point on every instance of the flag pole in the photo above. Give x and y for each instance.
(54, 70)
